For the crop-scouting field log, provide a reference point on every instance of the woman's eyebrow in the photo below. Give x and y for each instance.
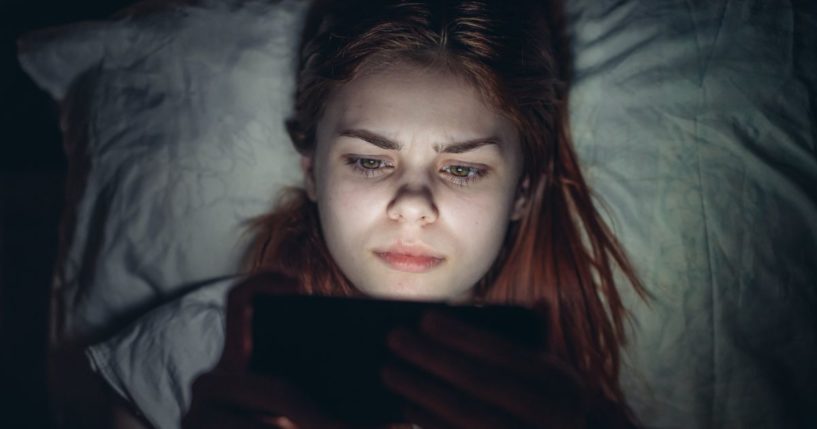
(370, 137)
(385, 143)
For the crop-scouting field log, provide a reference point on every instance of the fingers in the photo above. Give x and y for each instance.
(513, 394)
(424, 419)
(484, 346)
(534, 388)
(495, 351)
(254, 399)
(445, 406)
(218, 418)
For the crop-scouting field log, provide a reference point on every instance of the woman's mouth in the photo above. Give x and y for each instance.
(409, 263)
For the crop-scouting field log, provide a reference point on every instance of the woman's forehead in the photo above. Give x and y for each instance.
(405, 101)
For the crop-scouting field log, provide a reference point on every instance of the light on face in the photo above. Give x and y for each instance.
(415, 178)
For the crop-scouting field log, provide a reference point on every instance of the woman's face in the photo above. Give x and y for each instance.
(416, 180)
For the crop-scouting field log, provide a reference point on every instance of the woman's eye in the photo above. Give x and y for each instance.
(462, 174)
(460, 170)
(368, 166)
(456, 173)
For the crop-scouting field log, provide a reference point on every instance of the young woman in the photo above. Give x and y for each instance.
(438, 165)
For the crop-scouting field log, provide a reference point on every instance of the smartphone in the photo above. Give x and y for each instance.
(334, 347)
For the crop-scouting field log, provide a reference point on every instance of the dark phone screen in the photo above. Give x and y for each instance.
(334, 347)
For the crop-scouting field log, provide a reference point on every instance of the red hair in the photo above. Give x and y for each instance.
(560, 252)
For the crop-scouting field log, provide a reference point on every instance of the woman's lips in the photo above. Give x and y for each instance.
(409, 263)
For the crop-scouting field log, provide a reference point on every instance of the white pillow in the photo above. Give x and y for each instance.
(175, 139)
(695, 123)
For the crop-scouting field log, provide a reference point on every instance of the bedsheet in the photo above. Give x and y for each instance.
(695, 120)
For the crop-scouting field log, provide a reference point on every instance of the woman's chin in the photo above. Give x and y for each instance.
(407, 294)
(413, 291)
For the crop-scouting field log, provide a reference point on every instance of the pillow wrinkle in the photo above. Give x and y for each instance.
(695, 122)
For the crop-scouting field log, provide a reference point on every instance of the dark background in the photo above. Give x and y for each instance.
(32, 171)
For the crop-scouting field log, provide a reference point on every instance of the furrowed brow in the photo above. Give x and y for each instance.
(387, 144)
(370, 137)
(466, 146)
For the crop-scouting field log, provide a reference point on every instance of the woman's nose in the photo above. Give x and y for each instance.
(414, 206)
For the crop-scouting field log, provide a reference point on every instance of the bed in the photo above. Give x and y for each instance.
(696, 122)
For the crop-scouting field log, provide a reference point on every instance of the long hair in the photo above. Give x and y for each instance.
(515, 53)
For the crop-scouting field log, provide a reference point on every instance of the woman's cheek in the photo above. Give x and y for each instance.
(476, 210)
(481, 222)
(352, 194)
(354, 204)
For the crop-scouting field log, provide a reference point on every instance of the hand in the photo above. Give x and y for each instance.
(230, 396)
(457, 376)
(223, 399)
